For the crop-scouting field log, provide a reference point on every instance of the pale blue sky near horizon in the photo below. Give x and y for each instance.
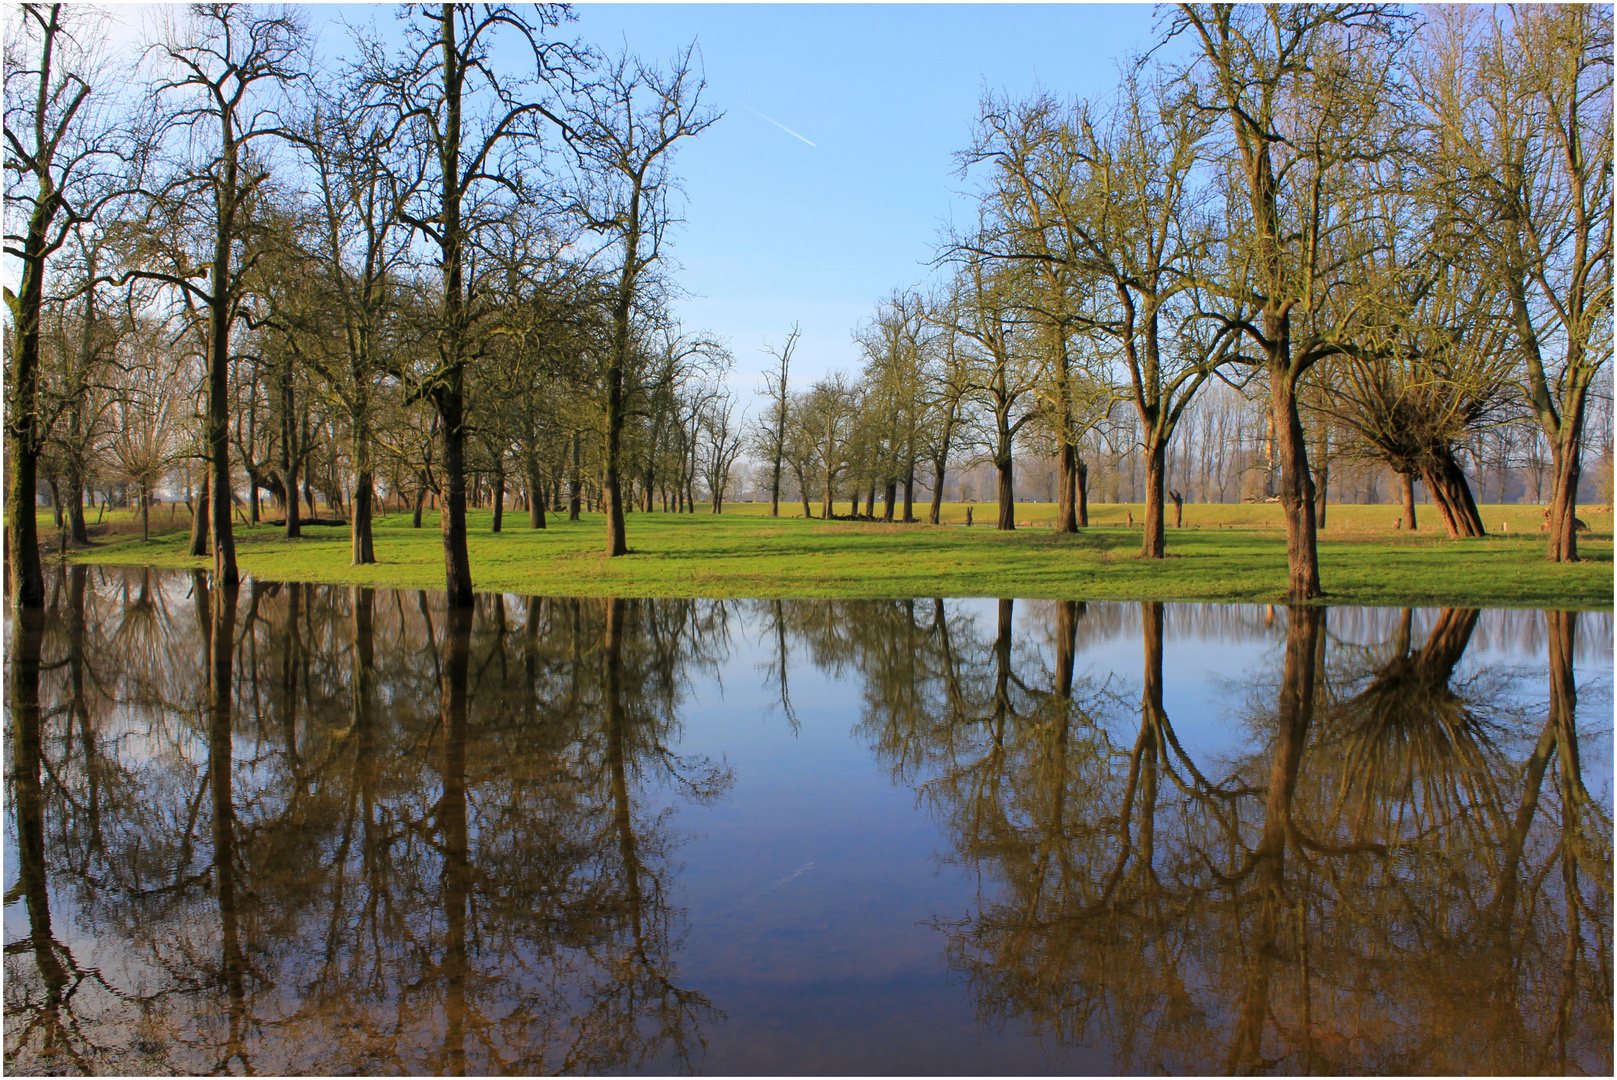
(778, 231)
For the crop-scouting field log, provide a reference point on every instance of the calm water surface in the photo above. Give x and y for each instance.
(299, 829)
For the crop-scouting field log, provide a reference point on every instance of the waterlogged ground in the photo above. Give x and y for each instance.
(298, 829)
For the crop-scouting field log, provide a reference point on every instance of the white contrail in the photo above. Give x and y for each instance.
(780, 125)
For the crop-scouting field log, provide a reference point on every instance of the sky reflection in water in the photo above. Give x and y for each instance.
(332, 830)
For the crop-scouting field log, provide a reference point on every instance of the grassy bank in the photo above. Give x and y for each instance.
(1224, 553)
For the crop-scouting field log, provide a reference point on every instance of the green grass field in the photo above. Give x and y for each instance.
(1223, 553)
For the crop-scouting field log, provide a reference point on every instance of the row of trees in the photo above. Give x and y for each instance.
(1395, 233)
(435, 275)
(1222, 452)
(432, 271)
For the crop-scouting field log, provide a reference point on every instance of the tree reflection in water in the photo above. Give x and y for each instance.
(1403, 874)
(304, 829)
(343, 835)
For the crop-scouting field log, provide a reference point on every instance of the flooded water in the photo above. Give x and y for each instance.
(300, 829)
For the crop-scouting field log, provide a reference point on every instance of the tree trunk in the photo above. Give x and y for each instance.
(617, 540)
(575, 484)
(449, 396)
(870, 502)
(22, 539)
(909, 494)
(294, 519)
(1154, 545)
(889, 497)
(420, 499)
(935, 514)
(75, 511)
(1452, 494)
(1067, 489)
(1408, 479)
(452, 517)
(1566, 469)
(199, 519)
(1007, 492)
(290, 456)
(1296, 488)
(1082, 479)
(536, 497)
(362, 551)
(498, 502)
(1322, 485)
(220, 309)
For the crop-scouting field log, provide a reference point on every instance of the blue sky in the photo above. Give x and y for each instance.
(778, 231)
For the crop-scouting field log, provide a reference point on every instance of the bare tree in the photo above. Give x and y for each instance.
(53, 149)
(145, 415)
(1111, 209)
(895, 344)
(1521, 105)
(771, 434)
(983, 310)
(360, 246)
(213, 66)
(950, 377)
(826, 414)
(477, 166)
(1299, 89)
(722, 446)
(624, 128)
